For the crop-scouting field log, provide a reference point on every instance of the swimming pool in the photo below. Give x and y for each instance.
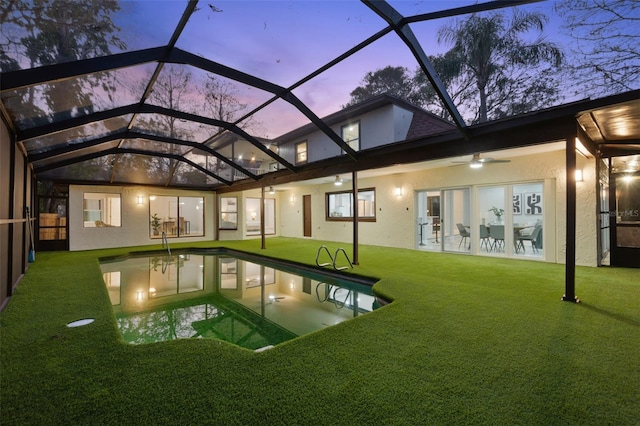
(243, 299)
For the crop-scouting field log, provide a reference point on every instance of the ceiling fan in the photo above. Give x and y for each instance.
(477, 162)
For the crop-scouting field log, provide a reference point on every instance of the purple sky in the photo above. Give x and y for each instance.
(282, 42)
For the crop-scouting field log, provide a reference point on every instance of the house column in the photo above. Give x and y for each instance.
(570, 263)
(263, 244)
(354, 179)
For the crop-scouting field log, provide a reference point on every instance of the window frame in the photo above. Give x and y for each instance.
(174, 213)
(102, 209)
(349, 218)
(230, 210)
(305, 152)
(350, 142)
(268, 203)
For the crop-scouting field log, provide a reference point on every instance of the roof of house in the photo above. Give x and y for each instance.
(423, 123)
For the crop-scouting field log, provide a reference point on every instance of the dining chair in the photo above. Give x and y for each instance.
(533, 237)
(497, 233)
(485, 237)
(464, 233)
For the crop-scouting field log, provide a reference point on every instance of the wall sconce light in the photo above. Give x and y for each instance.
(271, 190)
(398, 191)
(139, 295)
(292, 199)
(579, 177)
(338, 181)
(140, 199)
(253, 215)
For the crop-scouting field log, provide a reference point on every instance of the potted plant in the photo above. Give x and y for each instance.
(155, 224)
(498, 212)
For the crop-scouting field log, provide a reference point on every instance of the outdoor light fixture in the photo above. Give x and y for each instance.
(140, 199)
(579, 177)
(338, 181)
(271, 190)
(475, 164)
(292, 199)
(398, 191)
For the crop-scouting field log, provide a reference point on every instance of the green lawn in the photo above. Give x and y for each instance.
(467, 340)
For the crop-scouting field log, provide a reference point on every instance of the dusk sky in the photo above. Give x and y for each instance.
(282, 42)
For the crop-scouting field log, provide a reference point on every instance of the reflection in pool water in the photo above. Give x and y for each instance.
(224, 297)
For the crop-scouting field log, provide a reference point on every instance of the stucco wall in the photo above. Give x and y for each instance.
(379, 127)
(135, 218)
(395, 224)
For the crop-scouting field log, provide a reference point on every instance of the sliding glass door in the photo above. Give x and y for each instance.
(456, 220)
(511, 220)
(443, 220)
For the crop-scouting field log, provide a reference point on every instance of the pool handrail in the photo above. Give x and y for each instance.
(335, 258)
(318, 256)
(165, 240)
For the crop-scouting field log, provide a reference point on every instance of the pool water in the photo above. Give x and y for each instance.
(251, 302)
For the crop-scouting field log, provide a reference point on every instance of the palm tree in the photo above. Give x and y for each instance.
(491, 50)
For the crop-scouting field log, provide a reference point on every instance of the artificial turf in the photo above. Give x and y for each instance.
(467, 340)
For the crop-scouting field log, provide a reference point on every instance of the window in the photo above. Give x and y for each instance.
(100, 210)
(340, 205)
(176, 216)
(351, 135)
(301, 152)
(228, 273)
(228, 213)
(252, 215)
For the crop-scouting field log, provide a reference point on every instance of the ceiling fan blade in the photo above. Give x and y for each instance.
(492, 160)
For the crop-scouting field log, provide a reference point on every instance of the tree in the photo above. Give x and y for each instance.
(607, 44)
(172, 90)
(222, 101)
(395, 81)
(45, 32)
(448, 67)
(501, 64)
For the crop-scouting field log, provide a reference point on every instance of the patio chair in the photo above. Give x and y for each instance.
(464, 233)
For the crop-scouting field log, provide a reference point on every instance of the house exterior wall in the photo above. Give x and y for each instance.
(395, 224)
(135, 218)
(382, 126)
